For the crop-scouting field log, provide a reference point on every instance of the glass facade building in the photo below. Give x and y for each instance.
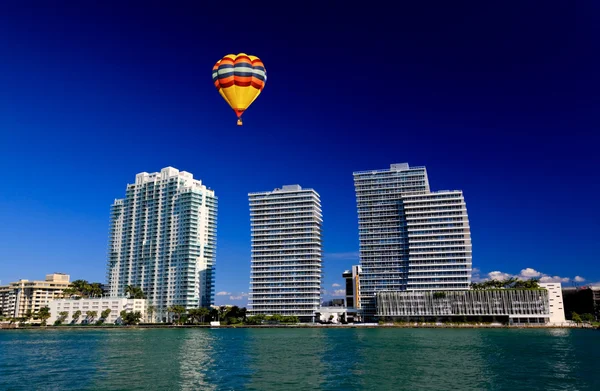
(410, 238)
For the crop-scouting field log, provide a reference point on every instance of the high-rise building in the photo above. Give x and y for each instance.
(410, 238)
(286, 252)
(23, 296)
(163, 239)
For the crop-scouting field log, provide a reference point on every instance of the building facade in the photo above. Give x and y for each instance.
(410, 238)
(286, 264)
(352, 278)
(555, 302)
(23, 296)
(582, 300)
(90, 309)
(163, 239)
(543, 305)
(516, 305)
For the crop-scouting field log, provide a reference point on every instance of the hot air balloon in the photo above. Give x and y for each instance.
(239, 79)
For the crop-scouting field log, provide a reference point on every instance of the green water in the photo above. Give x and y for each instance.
(305, 359)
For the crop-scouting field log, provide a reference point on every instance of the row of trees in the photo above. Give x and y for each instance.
(43, 314)
(228, 315)
(509, 283)
(85, 289)
(91, 317)
(82, 288)
(575, 317)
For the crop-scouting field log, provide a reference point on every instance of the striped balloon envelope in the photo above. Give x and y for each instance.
(239, 79)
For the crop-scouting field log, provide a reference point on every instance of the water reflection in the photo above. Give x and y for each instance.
(196, 360)
(303, 359)
(286, 359)
(343, 358)
(132, 359)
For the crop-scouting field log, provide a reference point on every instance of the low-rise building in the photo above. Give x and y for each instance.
(582, 300)
(556, 305)
(91, 309)
(543, 305)
(17, 298)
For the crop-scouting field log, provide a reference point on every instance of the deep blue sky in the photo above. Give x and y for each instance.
(499, 102)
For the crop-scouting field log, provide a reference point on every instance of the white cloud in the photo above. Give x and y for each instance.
(530, 273)
(339, 292)
(498, 275)
(235, 297)
(525, 274)
(223, 293)
(336, 285)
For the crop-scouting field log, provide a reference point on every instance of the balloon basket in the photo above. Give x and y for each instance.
(239, 122)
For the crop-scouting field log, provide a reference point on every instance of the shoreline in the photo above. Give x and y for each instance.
(302, 326)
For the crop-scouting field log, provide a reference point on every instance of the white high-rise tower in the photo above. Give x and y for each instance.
(163, 239)
(410, 238)
(286, 252)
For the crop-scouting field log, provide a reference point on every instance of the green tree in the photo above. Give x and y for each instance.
(204, 312)
(178, 311)
(194, 315)
(223, 310)
(76, 315)
(82, 288)
(28, 316)
(256, 319)
(150, 311)
(575, 317)
(94, 290)
(104, 314)
(62, 316)
(587, 318)
(130, 318)
(134, 292)
(44, 315)
(90, 316)
(198, 314)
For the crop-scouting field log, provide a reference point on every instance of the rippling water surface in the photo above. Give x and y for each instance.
(304, 359)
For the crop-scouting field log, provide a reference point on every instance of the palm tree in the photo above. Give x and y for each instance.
(134, 292)
(28, 316)
(62, 316)
(76, 315)
(94, 290)
(178, 311)
(104, 314)
(44, 314)
(203, 313)
(90, 315)
(194, 314)
(149, 312)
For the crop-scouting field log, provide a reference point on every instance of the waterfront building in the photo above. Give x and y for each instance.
(163, 240)
(352, 286)
(20, 297)
(543, 305)
(352, 278)
(410, 238)
(90, 309)
(582, 300)
(556, 305)
(286, 262)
